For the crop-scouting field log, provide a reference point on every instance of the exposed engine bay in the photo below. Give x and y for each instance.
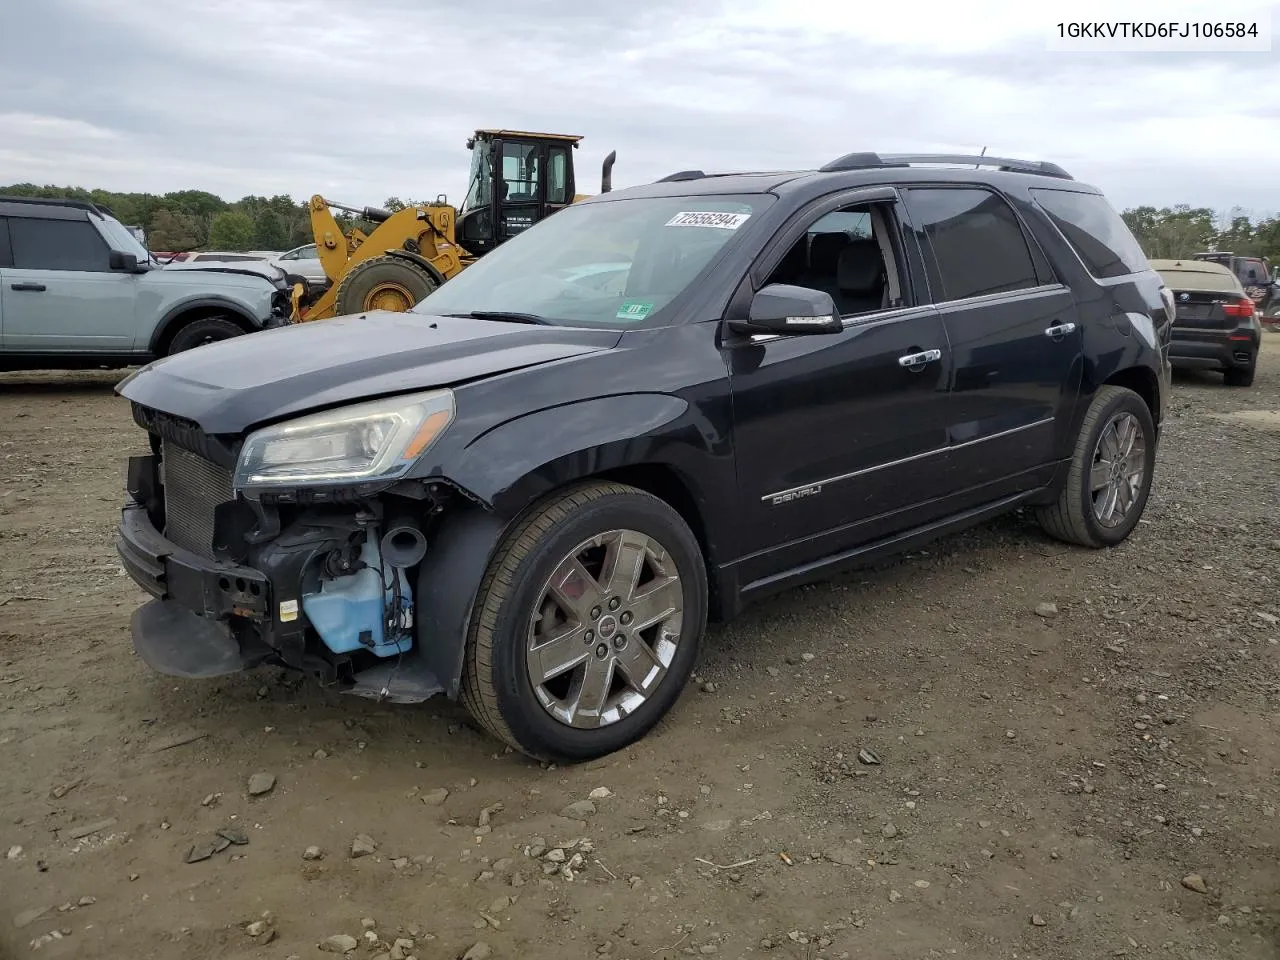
(325, 586)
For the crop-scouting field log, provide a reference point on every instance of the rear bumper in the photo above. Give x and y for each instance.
(1211, 349)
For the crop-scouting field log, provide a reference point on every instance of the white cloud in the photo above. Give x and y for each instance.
(362, 101)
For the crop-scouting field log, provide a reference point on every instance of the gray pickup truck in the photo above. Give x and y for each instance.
(77, 290)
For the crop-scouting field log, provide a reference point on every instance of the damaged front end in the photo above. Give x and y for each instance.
(299, 545)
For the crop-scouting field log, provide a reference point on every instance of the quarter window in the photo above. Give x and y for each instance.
(57, 245)
(1095, 231)
(976, 240)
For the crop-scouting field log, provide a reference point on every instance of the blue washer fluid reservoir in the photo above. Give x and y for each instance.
(349, 612)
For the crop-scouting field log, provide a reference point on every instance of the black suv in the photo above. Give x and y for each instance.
(533, 490)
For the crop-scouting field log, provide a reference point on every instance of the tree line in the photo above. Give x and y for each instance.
(198, 220)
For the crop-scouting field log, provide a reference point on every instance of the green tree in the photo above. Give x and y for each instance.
(269, 231)
(198, 203)
(172, 231)
(231, 230)
(1171, 232)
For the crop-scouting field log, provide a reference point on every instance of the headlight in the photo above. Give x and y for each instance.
(378, 440)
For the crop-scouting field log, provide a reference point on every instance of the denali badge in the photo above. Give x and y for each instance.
(795, 494)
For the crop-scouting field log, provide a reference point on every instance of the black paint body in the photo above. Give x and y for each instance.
(790, 456)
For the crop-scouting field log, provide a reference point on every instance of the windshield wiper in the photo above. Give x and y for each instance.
(509, 315)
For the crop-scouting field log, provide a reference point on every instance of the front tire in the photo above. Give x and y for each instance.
(1109, 478)
(587, 623)
(199, 332)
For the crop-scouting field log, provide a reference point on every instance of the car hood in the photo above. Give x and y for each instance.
(246, 268)
(231, 385)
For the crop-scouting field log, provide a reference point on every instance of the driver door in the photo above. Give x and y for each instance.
(60, 294)
(840, 439)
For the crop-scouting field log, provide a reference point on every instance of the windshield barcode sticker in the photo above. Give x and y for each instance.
(721, 221)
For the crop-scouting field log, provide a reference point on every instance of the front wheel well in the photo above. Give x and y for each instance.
(666, 484)
(184, 317)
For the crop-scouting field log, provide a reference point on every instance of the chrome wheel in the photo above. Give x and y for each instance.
(1119, 469)
(605, 629)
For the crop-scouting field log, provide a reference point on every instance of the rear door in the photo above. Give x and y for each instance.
(1013, 330)
(60, 295)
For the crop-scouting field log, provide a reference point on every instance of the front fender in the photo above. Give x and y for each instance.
(511, 465)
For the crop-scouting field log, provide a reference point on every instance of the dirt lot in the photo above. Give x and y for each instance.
(1047, 785)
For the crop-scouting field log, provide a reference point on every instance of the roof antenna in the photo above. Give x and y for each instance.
(982, 154)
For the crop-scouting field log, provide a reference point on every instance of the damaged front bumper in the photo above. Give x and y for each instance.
(212, 616)
(186, 631)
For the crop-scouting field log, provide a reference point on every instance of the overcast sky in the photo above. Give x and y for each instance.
(363, 100)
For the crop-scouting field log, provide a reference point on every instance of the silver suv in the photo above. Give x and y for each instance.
(77, 289)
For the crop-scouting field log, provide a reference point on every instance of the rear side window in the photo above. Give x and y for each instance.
(1095, 231)
(5, 255)
(1253, 273)
(977, 243)
(57, 245)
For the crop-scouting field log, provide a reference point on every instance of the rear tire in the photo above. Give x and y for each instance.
(1241, 376)
(1096, 471)
(382, 283)
(199, 332)
(531, 656)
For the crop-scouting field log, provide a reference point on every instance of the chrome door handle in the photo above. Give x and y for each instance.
(1059, 330)
(920, 359)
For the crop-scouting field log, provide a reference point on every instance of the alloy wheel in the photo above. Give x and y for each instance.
(1119, 469)
(605, 629)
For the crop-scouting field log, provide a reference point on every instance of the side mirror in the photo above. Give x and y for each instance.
(125, 262)
(781, 308)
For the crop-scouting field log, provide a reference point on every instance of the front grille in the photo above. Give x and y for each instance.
(187, 434)
(193, 487)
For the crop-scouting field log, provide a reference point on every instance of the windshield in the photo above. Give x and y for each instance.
(604, 264)
(479, 184)
(121, 238)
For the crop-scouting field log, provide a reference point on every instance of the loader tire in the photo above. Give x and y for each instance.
(382, 283)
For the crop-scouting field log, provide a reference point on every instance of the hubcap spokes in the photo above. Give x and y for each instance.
(1118, 470)
(605, 629)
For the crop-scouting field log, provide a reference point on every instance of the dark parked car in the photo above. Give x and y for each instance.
(1261, 281)
(532, 490)
(1217, 325)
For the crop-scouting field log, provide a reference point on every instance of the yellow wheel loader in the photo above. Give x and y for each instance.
(517, 178)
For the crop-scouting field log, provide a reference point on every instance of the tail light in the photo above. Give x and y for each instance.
(1239, 308)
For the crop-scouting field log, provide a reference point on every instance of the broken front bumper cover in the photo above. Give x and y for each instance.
(184, 631)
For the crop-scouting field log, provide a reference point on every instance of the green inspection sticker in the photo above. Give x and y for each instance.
(634, 310)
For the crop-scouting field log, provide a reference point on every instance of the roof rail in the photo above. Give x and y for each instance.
(57, 202)
(682, 175)
(873, 161)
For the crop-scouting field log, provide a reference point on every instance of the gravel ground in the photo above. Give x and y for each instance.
(1096, 779)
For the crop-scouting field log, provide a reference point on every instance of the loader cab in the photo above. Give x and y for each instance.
(517, 178)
